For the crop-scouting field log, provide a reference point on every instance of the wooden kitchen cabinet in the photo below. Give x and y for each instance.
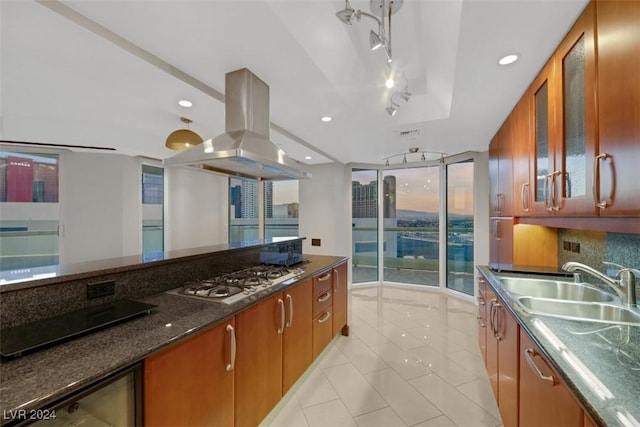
(340, 299)
(297, 337)
(544, 399)
(258, 369)
(482, 318)
(502, 357)
(618, 42)
(191, 383)
(501, 241)
(500, 173)
(322, 311)
(521, 142)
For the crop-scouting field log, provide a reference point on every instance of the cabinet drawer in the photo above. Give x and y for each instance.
(322, 331)
(321, 302)
(322, 283)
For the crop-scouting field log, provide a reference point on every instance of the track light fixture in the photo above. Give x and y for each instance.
(412, 152)
(382, 10)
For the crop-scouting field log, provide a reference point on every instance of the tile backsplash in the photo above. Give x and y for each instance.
(597, 246)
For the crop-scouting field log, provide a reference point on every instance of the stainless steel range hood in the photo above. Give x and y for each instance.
(245, 148)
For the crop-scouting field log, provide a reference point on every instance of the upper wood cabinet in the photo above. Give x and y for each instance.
(618, 190)
(521, 120)
(500, 173)
(191, 383)
(501, 241)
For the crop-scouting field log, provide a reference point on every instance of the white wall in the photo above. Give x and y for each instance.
(198, 208)
(99, 206)
(325, 209)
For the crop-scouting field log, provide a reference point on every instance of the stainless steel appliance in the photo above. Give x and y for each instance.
(235, 286)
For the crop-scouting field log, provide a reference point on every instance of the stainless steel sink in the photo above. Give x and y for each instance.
(546, 288)
(575, 310)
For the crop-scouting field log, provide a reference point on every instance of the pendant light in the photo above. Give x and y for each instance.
(182, 139)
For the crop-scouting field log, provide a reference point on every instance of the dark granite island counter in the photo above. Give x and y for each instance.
(42, 377)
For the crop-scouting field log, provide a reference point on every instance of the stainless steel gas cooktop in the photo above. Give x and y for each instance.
(233, 287)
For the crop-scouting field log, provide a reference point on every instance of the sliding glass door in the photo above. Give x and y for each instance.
(364, 225)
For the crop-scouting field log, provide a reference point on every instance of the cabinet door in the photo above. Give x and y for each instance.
(297, 339)
(492, 343)
(501, 241)
(340, 298)
(542, 94)
(618, 107)
(543, 402)
(322, 331)
(576, 126)
(522, 148)
(189, 383)
(258, 371)
(500, 173)
(507, 337)
(482, 318)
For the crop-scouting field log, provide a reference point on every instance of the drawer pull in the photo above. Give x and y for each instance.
(324, 317)
(529, 354)
(290, 322)
(480, 322)
(282, 316)
(324, 278)
(324, 297)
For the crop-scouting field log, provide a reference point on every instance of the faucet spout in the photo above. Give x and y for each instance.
(625, 286)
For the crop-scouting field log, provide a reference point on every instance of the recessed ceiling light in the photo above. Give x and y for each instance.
(389, 83)
(326, 119)
(509, 59)
(307, 157)
(185, 103)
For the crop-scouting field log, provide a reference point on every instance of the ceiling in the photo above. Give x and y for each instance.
(109, 73)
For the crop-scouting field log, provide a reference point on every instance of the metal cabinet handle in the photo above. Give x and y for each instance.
(324, 296)
(496, 324)
(524, 197)
(282, 316)
(324, 317)
(595, 187)
(480, 322)
(554, 188)
(529, 354)
(325, 277)
(232, 355)
(491, 315)
(498, 205)
(481, 300)
(545, 193)
(290, 321)
(498, 230)
(337, 281)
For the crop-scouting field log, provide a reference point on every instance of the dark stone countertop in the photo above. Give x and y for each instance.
(35, 380)
(599, 362)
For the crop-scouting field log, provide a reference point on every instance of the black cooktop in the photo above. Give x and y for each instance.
(31, 336)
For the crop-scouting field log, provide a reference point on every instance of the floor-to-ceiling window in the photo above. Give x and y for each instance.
(411, 225)
(364, 225)
(152, 212)
(243, 210)
(460, 226)
(281, 208)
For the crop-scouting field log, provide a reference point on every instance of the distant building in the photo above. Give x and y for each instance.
(244, 199)
(365, 197)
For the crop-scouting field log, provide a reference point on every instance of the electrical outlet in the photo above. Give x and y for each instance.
(315, 242)
(575, 247)
(566, 245)
(101, 289)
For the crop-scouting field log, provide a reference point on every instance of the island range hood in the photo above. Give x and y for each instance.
(244, 149)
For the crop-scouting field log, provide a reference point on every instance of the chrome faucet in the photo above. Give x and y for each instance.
(624, 284)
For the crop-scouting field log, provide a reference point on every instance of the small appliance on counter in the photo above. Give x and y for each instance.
(282, 253)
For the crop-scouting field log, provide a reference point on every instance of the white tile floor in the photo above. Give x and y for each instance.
(411, 359)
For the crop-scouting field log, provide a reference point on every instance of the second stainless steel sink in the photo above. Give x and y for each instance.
(575, 310)
(556, 289)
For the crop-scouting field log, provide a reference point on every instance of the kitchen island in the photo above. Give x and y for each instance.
(43, 377)
(598, 362)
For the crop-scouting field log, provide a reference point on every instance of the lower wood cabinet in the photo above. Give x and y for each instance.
(258, 371)
(297, 338)
(322, 311)
(482, 318)
(502, 358)
(544, 399)
(340, 296)
(191, 383)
